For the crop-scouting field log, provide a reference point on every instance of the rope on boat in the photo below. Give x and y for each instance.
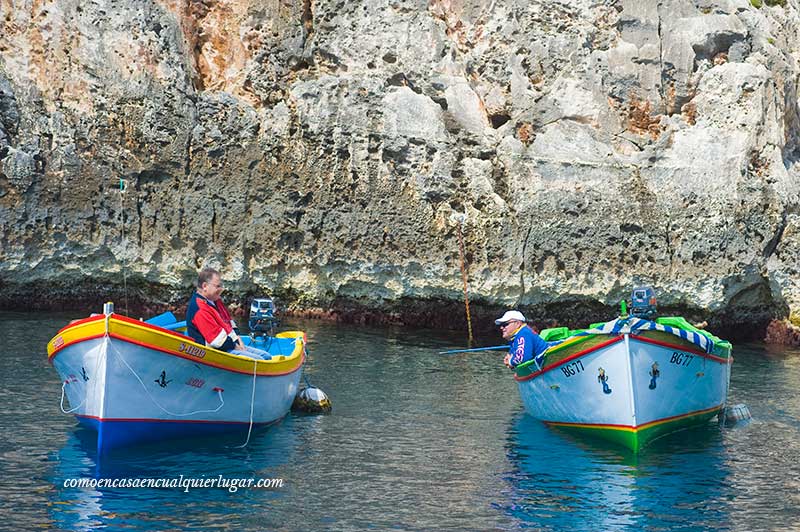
(252, 403)
(146, 391)
(75, 372)
(461, 219)
(122, 188)
(71, 410)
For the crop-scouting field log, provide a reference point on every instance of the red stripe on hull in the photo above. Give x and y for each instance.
(152, 420)
(633, 427)
(680, 348)
(564, 361)
(181, 355)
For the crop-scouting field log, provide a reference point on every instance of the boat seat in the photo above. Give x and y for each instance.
(168, 321)
(162, 320)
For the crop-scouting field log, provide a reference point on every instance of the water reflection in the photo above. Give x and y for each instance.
(416, 441)
(72, 508)
(558, 481)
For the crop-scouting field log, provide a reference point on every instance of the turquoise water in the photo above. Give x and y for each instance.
(416, 441)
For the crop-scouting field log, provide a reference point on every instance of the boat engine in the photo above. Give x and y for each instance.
(643, 303)
(262, 317)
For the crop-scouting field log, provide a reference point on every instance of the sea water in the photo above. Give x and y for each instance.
(416, 441)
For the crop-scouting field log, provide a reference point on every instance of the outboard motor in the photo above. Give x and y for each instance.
(262, 317)
(643, 303)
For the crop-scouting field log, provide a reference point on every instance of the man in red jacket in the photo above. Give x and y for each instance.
(208, 321)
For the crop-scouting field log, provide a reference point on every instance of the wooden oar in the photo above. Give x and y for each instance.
(454, 351)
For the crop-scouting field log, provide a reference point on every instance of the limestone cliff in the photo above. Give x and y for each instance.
(325, 150)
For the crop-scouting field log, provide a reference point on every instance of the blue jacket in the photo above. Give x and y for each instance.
(525, 345)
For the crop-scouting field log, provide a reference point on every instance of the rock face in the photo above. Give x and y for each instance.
(326, 151)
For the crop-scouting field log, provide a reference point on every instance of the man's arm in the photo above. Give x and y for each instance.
(521, 351)
(212, 330)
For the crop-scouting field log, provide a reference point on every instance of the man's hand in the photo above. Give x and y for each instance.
(507, 360)
(240, 345)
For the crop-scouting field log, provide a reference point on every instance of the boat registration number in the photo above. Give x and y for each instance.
(681, 359)
(573, 368)
(192, 350)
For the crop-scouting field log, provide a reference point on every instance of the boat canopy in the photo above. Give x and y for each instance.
(677, 326)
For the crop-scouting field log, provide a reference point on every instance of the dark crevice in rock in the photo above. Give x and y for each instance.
(522, 261)
(307, 18)
(441, 101)
(621, 136)
(151, 176)
(139, 217)
(400, 80)
(499, 119)
(9, 110)
(773, 243)
(668, 240)
(213, 224)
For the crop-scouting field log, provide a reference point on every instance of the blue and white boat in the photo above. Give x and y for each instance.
(136, 382)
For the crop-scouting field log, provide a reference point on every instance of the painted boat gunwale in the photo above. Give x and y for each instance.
(555, 365)
(563, 361)
(119, 317)
(693, 351)
(263, 368)
(213, 364)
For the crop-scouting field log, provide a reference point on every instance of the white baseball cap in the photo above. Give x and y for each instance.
(509, 316)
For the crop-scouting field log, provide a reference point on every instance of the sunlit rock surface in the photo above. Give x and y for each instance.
(325, 151)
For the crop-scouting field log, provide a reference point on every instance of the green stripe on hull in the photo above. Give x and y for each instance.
(638, 438)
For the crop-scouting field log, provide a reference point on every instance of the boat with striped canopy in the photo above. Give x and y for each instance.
(630, 380)
(137, 381)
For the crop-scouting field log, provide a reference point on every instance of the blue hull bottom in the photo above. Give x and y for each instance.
(113, 434)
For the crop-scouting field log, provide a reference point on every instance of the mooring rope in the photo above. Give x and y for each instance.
(71, 410)
(83, 373)
(147, 392)
(252, 404)
(464, 276)
(122, 188)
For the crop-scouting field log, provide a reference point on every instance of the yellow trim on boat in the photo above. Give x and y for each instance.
(153, 337)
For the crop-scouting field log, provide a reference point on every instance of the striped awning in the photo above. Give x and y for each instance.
(633, 325)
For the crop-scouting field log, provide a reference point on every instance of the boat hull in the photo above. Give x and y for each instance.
(136, 383)
(629, 389)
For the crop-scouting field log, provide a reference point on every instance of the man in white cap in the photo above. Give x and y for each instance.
(524, 343)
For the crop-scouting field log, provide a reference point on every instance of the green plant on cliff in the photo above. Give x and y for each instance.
(771, 3)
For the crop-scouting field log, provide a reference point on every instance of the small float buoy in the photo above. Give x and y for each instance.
(312, 400)
(737, 413)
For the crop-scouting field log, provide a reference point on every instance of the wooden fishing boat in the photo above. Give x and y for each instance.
(136, 382)
(630, 380)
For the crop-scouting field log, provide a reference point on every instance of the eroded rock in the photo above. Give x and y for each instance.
(321, 151)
